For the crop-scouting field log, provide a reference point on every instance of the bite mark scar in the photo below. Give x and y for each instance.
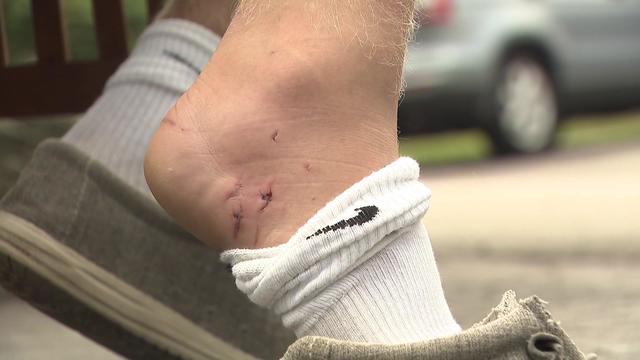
(274, 136)
(237, 219)
(172, 123)
(266, 196)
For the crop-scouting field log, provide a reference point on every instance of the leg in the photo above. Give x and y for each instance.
(298, 103)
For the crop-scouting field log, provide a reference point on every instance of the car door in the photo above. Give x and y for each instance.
(600, 41)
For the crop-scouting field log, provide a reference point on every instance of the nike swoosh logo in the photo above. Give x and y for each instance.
(365, 214)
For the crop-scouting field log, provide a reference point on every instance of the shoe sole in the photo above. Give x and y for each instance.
(112, 298)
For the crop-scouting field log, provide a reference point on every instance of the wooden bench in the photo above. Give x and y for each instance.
(55, 84)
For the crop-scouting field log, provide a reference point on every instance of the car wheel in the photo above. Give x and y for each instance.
(525, 115)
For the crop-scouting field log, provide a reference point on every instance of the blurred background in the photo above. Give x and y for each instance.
(525, 117)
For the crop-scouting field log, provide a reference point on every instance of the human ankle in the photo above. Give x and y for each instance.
(277, 164)
(282, 120)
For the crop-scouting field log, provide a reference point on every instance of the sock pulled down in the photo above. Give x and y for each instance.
(361, 269)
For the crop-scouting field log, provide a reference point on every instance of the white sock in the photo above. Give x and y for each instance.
(118, 127)
(361, 269)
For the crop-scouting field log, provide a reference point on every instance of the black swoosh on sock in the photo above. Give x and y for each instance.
(365, 214)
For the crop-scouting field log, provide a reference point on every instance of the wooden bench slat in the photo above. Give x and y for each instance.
(4, 45)
(50, 33)
(52, 88)
(153, 7)
(110, 29)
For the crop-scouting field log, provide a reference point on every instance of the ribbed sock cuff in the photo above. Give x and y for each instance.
(332, 271)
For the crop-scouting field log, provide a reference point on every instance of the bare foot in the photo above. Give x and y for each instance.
(278, 124)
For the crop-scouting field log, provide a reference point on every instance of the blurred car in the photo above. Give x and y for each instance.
(517, 67)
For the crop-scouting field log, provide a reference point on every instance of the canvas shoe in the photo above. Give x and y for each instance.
(85, 248)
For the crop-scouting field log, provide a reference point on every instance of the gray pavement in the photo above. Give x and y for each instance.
(563, 226)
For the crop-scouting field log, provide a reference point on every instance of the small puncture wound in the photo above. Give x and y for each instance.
(274, 136)
(266, 197)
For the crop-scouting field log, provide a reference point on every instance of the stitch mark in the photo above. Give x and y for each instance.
(179, 58)
(237, 219)
(170, 122)
(266, 197)
(365, 214)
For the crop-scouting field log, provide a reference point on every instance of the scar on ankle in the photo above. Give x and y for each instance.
(274, 136)
(169, 121)
(237, 219)
(307, 166)
(266, 196)
(235, 192)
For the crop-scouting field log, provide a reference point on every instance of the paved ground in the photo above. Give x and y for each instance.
(563, 226)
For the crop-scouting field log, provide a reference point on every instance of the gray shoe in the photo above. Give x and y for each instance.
(90, 251)
(514, 330)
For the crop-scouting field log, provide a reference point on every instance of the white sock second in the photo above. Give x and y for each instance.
(162, 66)
(362, 269)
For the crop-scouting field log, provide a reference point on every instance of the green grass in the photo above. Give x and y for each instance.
(447, 148)
(473, 145)
(603, 129)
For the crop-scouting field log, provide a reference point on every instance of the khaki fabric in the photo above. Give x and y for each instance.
(87, 208)
(514, 330)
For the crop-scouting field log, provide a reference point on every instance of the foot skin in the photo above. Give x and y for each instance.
(276, 126)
